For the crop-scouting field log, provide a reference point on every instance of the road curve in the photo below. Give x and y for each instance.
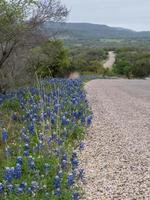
(110, 61)
(117, 148)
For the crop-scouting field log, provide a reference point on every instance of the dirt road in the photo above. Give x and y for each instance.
(110, 61)
(117, 148)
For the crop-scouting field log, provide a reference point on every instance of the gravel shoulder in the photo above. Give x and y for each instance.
(117, 147)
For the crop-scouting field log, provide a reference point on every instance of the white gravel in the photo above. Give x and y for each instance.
(117, 148)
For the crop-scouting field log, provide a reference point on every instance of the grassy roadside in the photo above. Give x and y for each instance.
(40, 130)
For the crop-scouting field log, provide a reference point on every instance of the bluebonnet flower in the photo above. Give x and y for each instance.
(14, 116)
(29, 190)
(23, 185)
(9, 173)
(57, 192)
(31, 128)
(74, 161)
(1, 187)
(4, 135)
(17, 171)
(41, 136)
(89, 120)
(81, 146)
(76, 196)
(31, 162)
(19, 160)
(25, 138)
(83, 120)
(34, 185)
(19, 189)
(26, 146)
(70, 180)
(56, 107)
(53, 120)
(26, 153)
(60, 173)
(57, 182)
(64, 120)
(64, 162)
(10, 187)
(81, 174)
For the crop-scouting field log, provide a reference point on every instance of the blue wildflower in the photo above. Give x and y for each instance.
(81, 146)
(31, 162)
(17, 171)
(19, 160)
(10, 187)
(9, 173)
(76, 196)
(1, 187)
(89, 120)
(57, 182)
(26, 153)
(4, 135)
(70, 180)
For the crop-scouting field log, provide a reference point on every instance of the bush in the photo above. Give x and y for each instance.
(50, 59)
(132, 63)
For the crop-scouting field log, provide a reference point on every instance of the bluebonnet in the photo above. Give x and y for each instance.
(14, 116)
(18, 171)
(81, 146)
(10, 187)
(57, 182)
(31, 163)
(34, 185)
(4, 135)
(76, 196)
(26, 153)
(89, 120)
(81, 174)
(1, 187)
(70, 180)
(19, 160)
(19, 189)
(9, 173)
(74, 161)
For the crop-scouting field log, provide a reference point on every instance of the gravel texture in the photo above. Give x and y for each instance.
(116, 158)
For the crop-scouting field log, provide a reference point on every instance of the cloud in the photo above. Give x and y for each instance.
(125, 13)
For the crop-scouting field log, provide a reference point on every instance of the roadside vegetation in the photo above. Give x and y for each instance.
(40, 129)
(132, 63)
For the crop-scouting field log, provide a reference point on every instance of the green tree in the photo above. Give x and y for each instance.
(50, 59)
(20, 23)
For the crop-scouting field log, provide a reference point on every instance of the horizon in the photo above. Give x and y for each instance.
(133, 15)
(106, 25)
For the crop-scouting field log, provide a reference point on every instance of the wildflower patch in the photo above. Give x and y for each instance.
(37, 145)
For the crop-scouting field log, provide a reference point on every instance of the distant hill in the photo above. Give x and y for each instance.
(83, 32)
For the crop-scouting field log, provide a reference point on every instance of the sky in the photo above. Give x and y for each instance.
(132, 14)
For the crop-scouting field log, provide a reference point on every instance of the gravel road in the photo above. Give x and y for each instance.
(117, 147)
(110, 61)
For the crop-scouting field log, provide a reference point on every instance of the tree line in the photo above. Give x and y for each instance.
(132, 62)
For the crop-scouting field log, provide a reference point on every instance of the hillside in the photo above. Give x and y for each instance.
(81, 33)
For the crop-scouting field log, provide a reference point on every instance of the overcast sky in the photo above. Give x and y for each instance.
(133, 14)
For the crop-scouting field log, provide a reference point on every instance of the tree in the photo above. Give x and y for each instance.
(50, 59)
(21, 18)
(20, 25)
